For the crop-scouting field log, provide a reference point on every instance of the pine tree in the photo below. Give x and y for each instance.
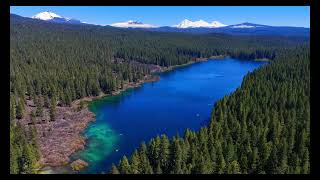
(135, 163)
(14, 168)
(39, 110)
(164, 153)
(28, 160)
(124, 166)
(221, 164)
(34, 141)
(145, 166)
(53, 109)
(203, 165)
(234, 168)
(33, 117)
(20, 110)
(176, 157)
(230, 152)
(158, 169)
(254, 160)
(46, 101)
(12, 108)
(154, 152)
(114, 169)
(305, 163)
(283, 158)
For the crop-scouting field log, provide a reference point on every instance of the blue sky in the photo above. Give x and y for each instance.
(170, 15)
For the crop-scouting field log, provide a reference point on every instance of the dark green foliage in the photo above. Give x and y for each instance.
(234, 168)
(14, 167)
(53, 109)
(263, 127)
(135, 163)
(145, 167)
(20, 110)
(23, 154)
(39, 105)
(124, 166)
(12, 108)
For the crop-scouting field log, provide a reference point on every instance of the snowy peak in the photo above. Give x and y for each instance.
(52, 17)
(197, 24)
(47, 15)
(133, 24)
(185, 23)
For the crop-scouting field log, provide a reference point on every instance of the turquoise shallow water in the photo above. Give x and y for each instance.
(183, 98)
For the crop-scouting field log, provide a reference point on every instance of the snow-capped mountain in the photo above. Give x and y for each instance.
(133, 24)
(52, 17)
(46, 16)
(199, 24)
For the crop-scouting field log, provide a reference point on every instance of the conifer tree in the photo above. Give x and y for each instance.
(135, 163)
(114, 169)
(124, 166)
(53, 109)
(39, 105)
(12, 108)
(234, 168)
(20, 110)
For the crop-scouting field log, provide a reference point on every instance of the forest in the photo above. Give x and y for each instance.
(55, 64)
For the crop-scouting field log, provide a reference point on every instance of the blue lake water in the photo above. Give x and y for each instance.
(181, 99)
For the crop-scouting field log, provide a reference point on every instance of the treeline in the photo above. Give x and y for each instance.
(263, 127)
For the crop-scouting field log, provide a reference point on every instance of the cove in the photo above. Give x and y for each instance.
(181, 99)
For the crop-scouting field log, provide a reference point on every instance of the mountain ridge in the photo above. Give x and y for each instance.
(245, 28)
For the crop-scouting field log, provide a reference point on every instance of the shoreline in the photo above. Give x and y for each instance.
(262, 60)
(196, 60)
(153, 77)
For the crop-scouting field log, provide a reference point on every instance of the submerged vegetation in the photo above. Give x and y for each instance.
(55, 64)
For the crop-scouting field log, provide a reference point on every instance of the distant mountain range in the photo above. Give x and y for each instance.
(187, 26)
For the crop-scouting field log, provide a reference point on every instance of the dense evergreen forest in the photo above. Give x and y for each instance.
(55, 64)
(263, 127)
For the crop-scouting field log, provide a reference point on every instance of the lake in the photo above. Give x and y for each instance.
(181, 99)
